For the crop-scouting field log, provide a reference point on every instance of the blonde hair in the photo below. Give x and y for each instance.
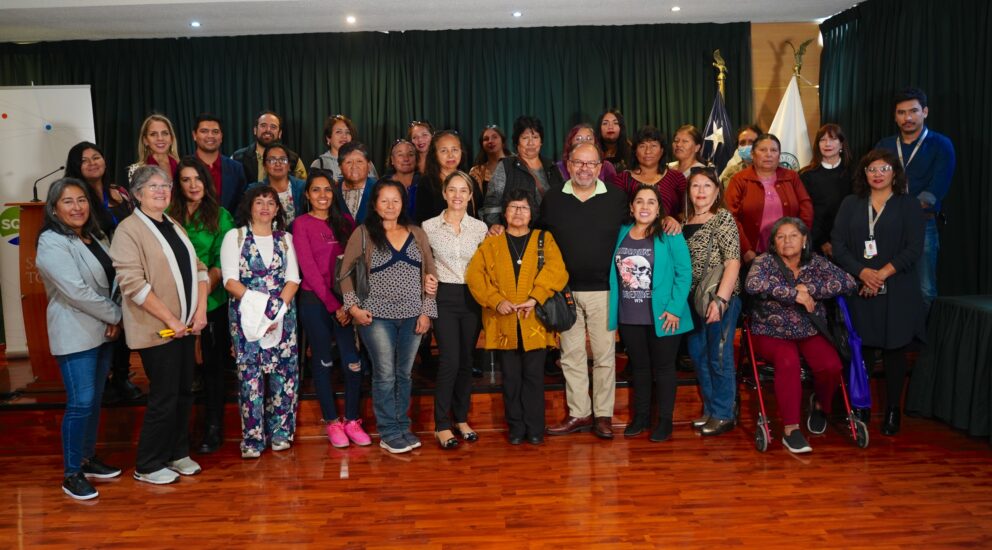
(143, 150)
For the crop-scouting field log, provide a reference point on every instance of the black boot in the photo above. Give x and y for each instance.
(127, 390)
(890, 426)
(212, 439)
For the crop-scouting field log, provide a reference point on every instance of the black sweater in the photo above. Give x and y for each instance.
(586, 232)
(827, 187)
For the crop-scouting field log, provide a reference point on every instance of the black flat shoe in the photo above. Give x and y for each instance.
(536, 440)
(448, 444)
(635, 428)
(892, 422)
(470, 437)
(516, 440)
(212, 440)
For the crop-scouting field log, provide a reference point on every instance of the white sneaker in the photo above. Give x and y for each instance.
(164, 476)
(280, 444)
(185, 466)
(250, 453)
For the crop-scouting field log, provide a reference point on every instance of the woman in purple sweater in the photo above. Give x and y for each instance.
(319, 237)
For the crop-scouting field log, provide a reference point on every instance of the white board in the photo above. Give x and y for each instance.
(38, 126)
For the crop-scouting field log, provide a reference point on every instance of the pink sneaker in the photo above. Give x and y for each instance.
(356, 434)
(335, 432)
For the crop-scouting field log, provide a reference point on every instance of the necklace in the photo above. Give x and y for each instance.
(520, 254)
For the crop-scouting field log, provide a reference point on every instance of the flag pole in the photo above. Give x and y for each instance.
(721, 77)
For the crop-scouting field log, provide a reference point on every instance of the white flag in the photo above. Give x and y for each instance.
(789, 126)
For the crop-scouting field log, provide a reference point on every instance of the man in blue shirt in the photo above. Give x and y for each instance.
(928, 158)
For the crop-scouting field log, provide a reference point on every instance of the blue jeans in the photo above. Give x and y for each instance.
(84, 374)
(928, 263)
(711, 347)
(392, 345)
(319, 325)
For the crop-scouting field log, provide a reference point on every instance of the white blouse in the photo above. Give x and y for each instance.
(230, 254)
(452, 252)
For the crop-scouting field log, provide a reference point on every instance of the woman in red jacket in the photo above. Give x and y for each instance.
(761, 194)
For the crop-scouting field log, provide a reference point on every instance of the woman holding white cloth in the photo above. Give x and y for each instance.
(259, 271)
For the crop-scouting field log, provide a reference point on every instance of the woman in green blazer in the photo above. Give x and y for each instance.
(649, 290)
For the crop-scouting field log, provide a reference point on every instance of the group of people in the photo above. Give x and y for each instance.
(647, 251)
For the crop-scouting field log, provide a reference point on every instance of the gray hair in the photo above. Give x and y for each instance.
(143, 174)
(807, 252)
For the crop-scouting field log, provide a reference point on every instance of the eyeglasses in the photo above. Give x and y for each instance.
(583, 165)
(583, 139)
(492, 126)
(277, 160)
(515, 208)
(156, 187)
(879, 170)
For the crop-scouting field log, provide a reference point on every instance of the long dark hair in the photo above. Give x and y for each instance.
(335, 216)
(432, 167)
(373, 222)
(243, 216)
(207, 215)
(623, 144)
(899, 182)
(655, 229)
(52, 223)
(832, 130)
(482, 157)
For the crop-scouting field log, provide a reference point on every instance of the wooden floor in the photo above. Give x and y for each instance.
(929, 487)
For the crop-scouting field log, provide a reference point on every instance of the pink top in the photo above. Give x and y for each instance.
(317, 252)
(771, 214)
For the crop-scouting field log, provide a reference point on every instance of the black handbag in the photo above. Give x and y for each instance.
(557, 312)
(359, 274)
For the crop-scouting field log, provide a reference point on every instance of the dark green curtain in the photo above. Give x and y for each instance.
(465, 79)
(880, 46)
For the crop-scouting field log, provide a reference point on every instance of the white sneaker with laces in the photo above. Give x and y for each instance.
(185, 466)
(164, 476)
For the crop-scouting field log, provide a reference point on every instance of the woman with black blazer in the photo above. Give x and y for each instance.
(83, 321)
(878, 238)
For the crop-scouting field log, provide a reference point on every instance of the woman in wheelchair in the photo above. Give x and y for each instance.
(787, 285)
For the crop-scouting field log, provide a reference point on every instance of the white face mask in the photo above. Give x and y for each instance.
(744, 152)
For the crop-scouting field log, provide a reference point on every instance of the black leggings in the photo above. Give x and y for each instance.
(894, 361)
(651, 356)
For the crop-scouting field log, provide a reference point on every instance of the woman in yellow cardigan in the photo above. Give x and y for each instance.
(503, 277)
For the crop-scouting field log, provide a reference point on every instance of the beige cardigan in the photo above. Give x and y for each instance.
(145, 263)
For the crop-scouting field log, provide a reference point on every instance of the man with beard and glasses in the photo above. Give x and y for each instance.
(268, 129)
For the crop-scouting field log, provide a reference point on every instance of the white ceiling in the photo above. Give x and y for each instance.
(39, 20)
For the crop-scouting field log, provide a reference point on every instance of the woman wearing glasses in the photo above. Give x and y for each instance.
(338, 130)
(419, 133)
(711, 233)
(165, 290)
(289, 188)
(583, 133)
(492, 149)
(878, 238)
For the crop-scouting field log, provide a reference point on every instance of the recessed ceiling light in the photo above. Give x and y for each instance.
(518, 14)
(676, 8)
(351, 19)
(194, 24)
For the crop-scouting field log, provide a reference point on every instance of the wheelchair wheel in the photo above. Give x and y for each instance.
(862, 434)
(761, 435)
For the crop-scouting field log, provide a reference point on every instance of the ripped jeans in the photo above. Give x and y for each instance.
(319, 324)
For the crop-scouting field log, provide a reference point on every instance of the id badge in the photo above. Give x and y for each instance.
(871, 249)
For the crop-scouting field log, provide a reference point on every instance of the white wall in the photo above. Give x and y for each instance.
(38, 126)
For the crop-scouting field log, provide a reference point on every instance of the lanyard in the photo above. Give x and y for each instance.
(905, 164)
(873, 218)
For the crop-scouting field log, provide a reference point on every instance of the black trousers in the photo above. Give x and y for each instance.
(651, 356)
(120, 369)
(523, 391)
(215, 347)
(165, 432)
(894, 361)
(456, 330)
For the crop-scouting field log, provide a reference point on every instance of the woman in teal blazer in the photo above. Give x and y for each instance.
(649, 290)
